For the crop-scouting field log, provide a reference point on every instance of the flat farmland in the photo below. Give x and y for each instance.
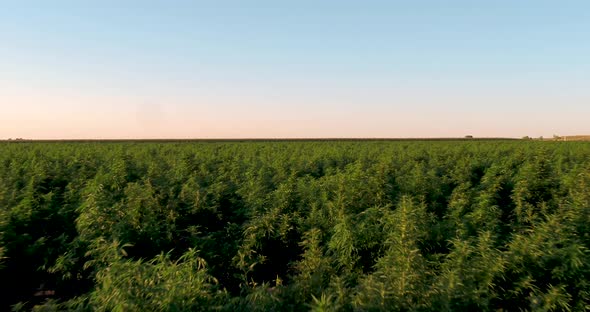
(322, 225)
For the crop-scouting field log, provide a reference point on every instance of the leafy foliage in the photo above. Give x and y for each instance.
(295, 226)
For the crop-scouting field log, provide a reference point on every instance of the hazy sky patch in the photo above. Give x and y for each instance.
(144, 69)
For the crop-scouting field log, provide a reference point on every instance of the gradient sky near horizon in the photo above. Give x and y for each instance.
(272, 69)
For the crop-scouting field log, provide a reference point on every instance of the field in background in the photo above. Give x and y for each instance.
(468, 138)
(348, 225)
(576, 138)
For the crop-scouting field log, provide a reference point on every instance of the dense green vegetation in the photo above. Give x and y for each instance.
(295, 226)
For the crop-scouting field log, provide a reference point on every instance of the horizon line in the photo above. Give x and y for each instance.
(261, 139)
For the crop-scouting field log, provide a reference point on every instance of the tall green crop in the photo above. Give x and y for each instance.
(295, 226)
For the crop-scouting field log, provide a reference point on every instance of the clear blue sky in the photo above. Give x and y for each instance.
(157, 69)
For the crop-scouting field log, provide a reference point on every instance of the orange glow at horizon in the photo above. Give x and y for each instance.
(67, 116)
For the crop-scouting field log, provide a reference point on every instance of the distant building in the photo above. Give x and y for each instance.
(469, 137)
